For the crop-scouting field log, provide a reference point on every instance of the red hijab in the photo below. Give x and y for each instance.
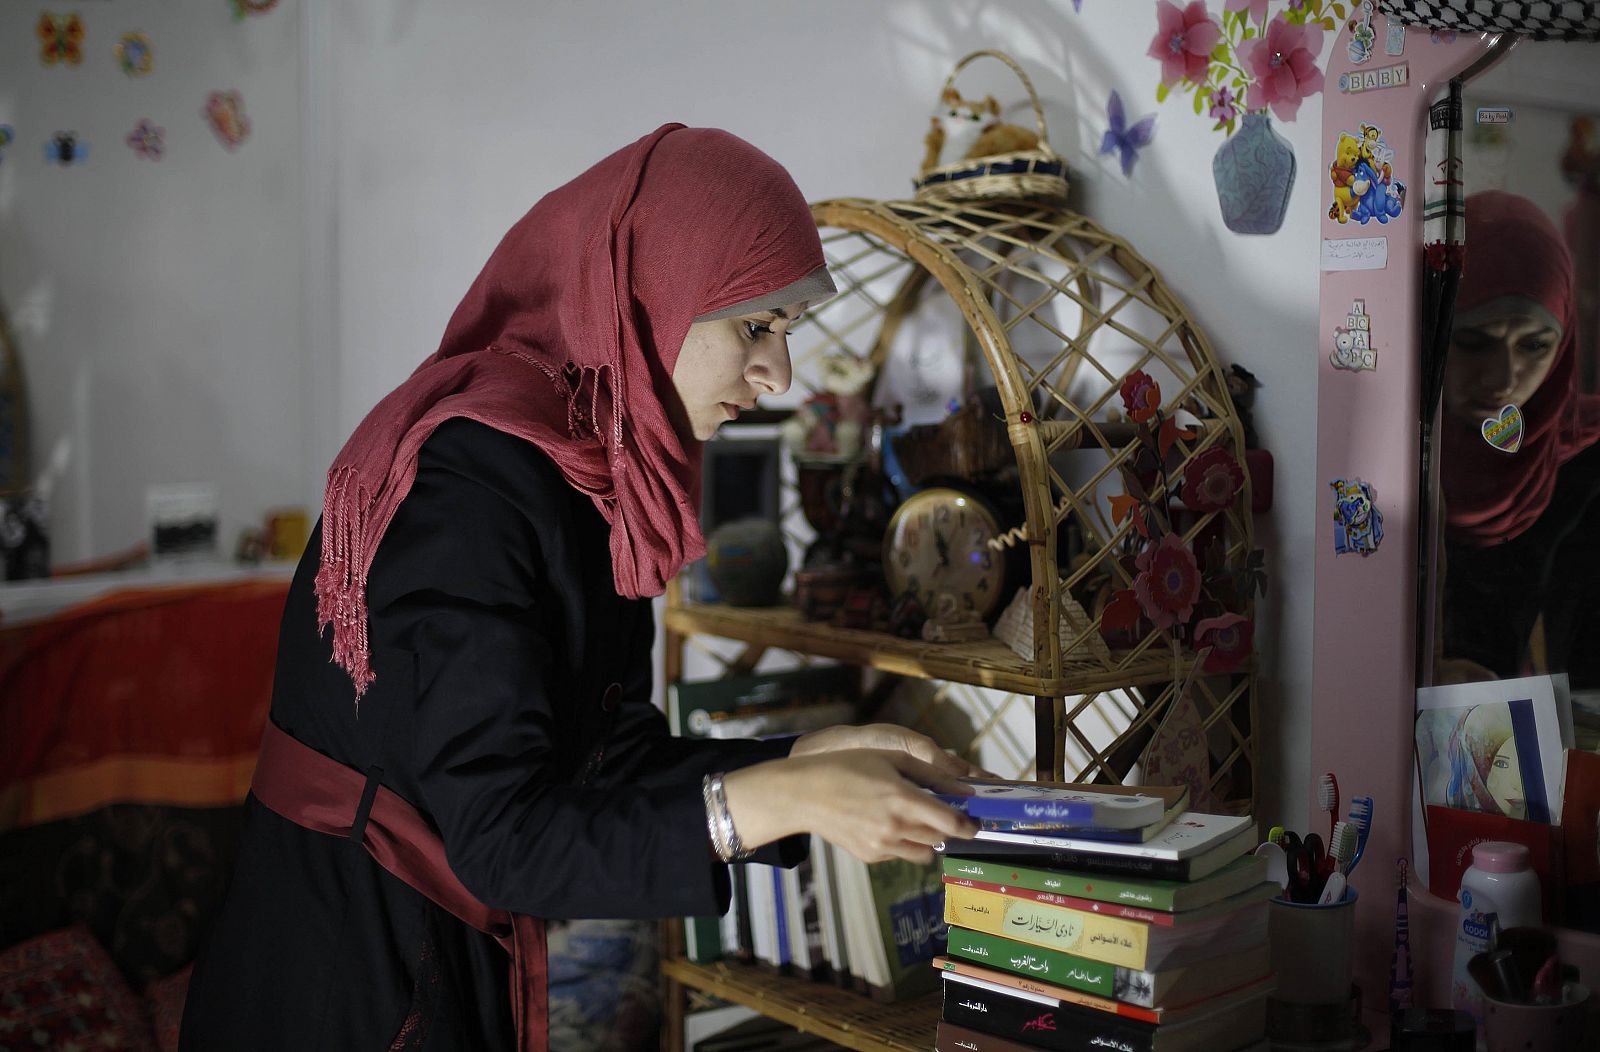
(1491, 496)
(567, 340)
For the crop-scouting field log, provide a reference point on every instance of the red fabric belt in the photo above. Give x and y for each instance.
(319, 793)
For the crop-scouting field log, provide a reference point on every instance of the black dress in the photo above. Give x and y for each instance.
(495, 633)
(1494, 594)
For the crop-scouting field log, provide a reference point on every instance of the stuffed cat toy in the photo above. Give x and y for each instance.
(964, 128)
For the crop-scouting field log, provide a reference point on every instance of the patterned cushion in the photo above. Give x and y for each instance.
(164, 998)
(603, 985)
(1539, 19)
(60, 991)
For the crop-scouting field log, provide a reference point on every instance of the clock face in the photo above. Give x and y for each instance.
(938, 544)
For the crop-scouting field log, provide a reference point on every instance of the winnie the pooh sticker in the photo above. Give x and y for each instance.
(1362, 173)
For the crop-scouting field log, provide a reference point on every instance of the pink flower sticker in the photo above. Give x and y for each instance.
(147, 140)
(1229, 636)
(1141, 396)
(1168, 583)
(1283, 63)
(1224, 105)
(1212, 480)
(1183, 42)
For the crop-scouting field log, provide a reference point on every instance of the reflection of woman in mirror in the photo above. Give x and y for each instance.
(1522, 529)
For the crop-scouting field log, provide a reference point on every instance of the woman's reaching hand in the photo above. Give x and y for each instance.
(891, 737)
(868, 801)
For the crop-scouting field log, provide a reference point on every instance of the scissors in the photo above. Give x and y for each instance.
(1299, 861)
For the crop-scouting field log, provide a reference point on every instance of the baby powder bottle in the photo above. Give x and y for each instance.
(1501, 871)
(1499, 890)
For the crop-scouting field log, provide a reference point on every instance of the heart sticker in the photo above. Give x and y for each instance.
(1504, 432)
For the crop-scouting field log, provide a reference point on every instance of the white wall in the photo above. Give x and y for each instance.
(431, 127)
(156, 304)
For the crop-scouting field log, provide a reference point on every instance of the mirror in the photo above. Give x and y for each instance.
(1518, 463)
(1516, 583)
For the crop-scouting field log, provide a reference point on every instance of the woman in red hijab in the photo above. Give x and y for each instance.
(1522, 527)
(462, 740)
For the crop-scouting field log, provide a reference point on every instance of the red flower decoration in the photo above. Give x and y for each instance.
(1121, 615)
(1229, 637)
(1212, 480)
(1169, 581)
(1141, 396)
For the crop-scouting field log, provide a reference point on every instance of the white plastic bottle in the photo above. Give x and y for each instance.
(1499, 890)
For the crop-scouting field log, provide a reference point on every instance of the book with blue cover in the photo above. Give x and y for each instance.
(1129, 814)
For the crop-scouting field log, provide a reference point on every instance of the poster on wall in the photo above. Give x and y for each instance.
(1495, 747)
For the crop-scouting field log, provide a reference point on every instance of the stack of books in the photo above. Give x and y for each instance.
(1092, 918)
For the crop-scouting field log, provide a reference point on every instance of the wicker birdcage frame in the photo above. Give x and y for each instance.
(1004, 263)
(1036, 174)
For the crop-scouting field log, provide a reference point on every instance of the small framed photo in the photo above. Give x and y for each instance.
(183, 519)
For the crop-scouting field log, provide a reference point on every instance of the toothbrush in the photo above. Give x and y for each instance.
(1342, 846)
(1328, 799)
(1400, 977)
(1361, 817)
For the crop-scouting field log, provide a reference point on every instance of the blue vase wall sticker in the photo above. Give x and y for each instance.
(1254, 171)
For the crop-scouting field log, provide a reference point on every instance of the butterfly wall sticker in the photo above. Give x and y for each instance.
(1124, 140)
(60, 39)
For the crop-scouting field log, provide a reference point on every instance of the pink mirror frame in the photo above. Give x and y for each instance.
(1363, 660)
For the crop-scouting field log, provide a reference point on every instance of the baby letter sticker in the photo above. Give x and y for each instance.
(1352, 341)
(1362, 173)
(1357, 523)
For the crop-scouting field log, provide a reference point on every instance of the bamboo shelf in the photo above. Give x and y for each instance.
(840, 1016)
(984, 663)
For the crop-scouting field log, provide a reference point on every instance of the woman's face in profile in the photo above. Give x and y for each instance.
(1499, 355)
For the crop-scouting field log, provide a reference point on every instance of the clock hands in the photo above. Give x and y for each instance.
(944, 548)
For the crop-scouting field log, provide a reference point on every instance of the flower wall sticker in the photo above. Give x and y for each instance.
(134, 54)
(147, 140)
(224, 112)
(1240, 68)
(1248, 60)
(60, 39)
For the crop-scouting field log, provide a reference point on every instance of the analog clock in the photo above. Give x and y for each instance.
(938, 542)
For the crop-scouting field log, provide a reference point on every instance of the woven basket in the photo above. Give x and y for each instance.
(969, 444)
(1034, 175)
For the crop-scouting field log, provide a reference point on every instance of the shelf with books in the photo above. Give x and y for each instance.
(982, 663)
(1111, 477)
(846, 1018)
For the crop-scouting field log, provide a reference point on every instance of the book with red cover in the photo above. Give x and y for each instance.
(1452, 833)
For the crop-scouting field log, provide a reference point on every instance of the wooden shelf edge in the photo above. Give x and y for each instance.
(815, 1007)
(983, 664)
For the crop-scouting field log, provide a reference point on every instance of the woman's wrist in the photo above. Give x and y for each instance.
(758, 805)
